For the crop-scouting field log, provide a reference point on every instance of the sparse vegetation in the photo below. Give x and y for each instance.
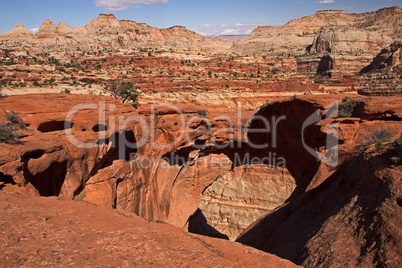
(124, 91)
(8, 129)
(397, 151)
(379, 146)
(66, 91)
(36, 84)
(398, 146)
(81, 196)
(8, 134)
(347, 108)
(202, 113)
(377, 137)
(14, 119)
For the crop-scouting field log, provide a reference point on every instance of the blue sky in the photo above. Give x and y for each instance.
(204, 16)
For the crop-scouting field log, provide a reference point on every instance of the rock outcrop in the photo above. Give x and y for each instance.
(18, 32)
(185, 181)
(241, 196)
(346, 40)
(47, 29)
(345, 216)
(157, 181)
(382, 76)
(379, 27)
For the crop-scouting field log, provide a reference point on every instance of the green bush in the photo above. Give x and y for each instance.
(379, 136)
(125, 91)
(36, 84)
(7, 134)
(398, 147)
(379, 145)
(347, 108)
(66, 91)
(15, 120)
(202, 113)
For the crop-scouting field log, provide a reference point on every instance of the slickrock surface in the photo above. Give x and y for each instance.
(39, 231)
(161, 183)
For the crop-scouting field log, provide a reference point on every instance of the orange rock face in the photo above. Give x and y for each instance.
(76, 233)
(190, 168)
(338, 212)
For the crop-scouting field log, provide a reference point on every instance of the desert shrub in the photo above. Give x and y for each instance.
(36, 84)
(380, 135)
(125, 91)
(14, 119)
(379, 145)
(8, 134)
(335, 82)
(318, 81)
(202, 113)
(66, 91)
(398, 147)
(347, 108)
(275, 71)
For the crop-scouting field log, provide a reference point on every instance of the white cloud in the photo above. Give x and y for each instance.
(116, 5)
(34, 30)
(225, 29)
(325, 2)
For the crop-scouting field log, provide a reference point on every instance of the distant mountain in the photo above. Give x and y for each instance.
(233, 37)
(107, 31)
(325, 31)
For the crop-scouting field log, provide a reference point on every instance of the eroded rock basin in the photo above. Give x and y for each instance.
(190, 181)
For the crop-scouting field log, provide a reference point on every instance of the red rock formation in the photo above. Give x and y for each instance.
(343, 216)
(166, 182)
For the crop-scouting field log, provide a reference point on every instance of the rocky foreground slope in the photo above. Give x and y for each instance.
(48, 232)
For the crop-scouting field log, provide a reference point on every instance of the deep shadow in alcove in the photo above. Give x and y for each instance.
(198, 224)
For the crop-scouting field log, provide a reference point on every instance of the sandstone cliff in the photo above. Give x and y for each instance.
(382, 27)
(345, 216)
(107, 31)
